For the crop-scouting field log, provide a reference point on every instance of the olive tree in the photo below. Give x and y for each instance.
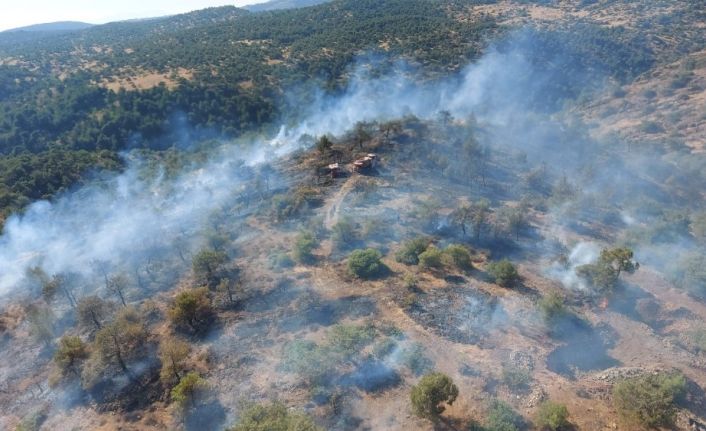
(70, 354)
(93, 311)
(173, 353)
(429, 395)
(192, 308)
(121, 340)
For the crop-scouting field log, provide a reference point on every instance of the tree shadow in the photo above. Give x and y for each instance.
(207, 416)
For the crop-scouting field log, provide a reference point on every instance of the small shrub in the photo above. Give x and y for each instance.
(432, 258)
(208, 266)
(349, 339)
(304, 245)
(552, 306)
(516, 378)
(429, 395)
(502, 417)
(186, 391)
(409, 281)
(410, 251)
(273, 417)
(365, 263)
(504, 273)
(552, 416)
(649, 400)
(460, 256)
(344, 233)
(307, 359)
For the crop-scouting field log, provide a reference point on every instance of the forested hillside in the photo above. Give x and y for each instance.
(215, 72)
(219, 72)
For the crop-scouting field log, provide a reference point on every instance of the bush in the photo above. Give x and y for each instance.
(344, 233)
(71, 352)
(208, 266)
(188, 388)
(552, 416)
(649, 400)
(516, 378)
(430, 393)
(552, 306)
(460, 256)
(310, 361)
(503, 272)
(409, 281)
(304, 244)
(192, 308)
(273, 417)
(365, 263)
(410, 251)
(432, 258)
(349, 339)
(502, 417)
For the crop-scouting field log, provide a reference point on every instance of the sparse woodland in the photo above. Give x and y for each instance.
(505, 263)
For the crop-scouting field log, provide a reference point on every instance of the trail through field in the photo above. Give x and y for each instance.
(332, 209)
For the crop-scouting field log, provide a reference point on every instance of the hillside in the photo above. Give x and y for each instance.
(357, 215)
(53, 27)
(283, 4)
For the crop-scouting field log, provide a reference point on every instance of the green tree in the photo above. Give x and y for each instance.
(70, 354)
(410, 251)
(649, 400)
(503, 272)
(365, 263)
(552, 306)
(122, 339)
(117, 284)
(479, 216)
(552, 416)
(344, 232)
(208, 266)
(462, 216)
(188, 389)
(361, 133)
(324, 144)
(429, 395)
(173, 353)
(501, 417)
(460, 256)
(59, 283)
(92, 311)
(605, 272)
(304, 245)
(192, 308)
(273, 417)
(432, 258)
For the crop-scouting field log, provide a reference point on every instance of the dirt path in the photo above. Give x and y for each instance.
(332, 209)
